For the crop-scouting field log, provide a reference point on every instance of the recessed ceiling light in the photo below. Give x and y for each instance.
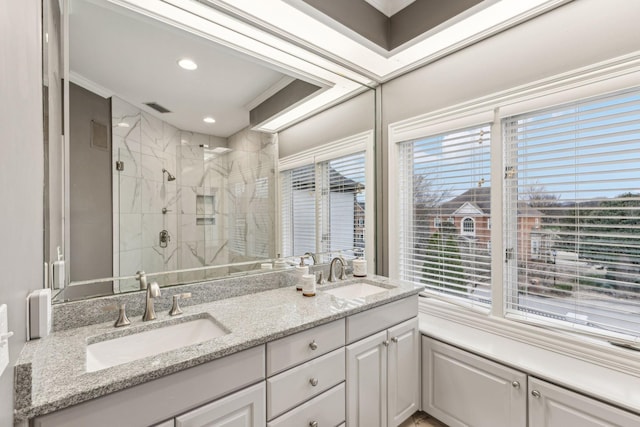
(209, 120)
(187, 64)
(123, 125)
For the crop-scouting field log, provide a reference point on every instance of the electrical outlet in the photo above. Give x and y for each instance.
(4, 338)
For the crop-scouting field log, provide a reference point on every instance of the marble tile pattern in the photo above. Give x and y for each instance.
(51, 371)
(239, 220)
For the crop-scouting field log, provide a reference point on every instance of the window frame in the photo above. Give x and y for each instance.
(598, 79)
(359, 143)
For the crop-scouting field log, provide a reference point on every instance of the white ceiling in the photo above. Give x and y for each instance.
(248, 49)
(134, 57)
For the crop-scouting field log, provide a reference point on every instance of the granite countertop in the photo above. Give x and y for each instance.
(50, 372)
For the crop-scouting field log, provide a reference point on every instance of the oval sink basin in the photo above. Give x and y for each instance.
(116, 351)
(355, 290)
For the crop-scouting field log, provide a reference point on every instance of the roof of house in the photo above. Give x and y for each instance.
(480, 199)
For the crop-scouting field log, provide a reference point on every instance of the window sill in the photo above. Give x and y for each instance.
(593, 368)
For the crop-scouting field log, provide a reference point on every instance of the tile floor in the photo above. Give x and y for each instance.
(422, 419)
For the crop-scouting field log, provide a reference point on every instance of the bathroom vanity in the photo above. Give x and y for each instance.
(280, 359)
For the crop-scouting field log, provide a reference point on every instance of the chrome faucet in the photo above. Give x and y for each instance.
(313, 257)
(332, 273)
(153, 291)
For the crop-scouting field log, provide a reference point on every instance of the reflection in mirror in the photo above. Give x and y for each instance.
(148, 184)
(157, 190)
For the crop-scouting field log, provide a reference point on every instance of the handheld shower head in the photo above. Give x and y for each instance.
(169, 176)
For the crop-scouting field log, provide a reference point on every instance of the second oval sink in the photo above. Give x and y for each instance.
(149, 342)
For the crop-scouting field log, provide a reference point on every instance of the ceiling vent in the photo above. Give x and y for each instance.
(159, 108)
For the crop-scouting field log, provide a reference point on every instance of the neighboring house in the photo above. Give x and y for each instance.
(470, 214)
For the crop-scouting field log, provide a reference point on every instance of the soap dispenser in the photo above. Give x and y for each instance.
(301, 270)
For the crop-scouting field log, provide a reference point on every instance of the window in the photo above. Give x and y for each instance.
(446, 176)
(468, 226)
(325, 206)
(572, 213)
(565, 243)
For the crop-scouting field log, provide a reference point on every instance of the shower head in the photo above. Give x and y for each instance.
(169, 176)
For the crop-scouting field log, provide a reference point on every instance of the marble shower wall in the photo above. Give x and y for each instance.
(219, 209)
(251, 195)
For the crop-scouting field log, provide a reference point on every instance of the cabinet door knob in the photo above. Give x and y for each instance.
(515, 384)
(386, 343)
(394, 339)
(313, 345)
(313, 424)
(313, 382)
(535, 393)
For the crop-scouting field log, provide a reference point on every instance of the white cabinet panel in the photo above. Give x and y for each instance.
(367, 382)
(553, 406)
(462, 389)
(298, 348)
(245, 408)
(403, 371)
(327, 409)
(380, 318)
(292, 387)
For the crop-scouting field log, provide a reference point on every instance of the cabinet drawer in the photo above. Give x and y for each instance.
(378, 319)
(288, 389)
(328, 409)
(298, 348)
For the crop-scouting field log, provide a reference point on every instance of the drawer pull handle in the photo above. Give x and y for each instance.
(515, 384)
(313, 345)
(313, 424)
(535, 393)
(394, 339)
(313, 382)
(385, 343)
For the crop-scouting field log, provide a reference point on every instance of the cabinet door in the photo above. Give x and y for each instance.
(245, 408)
(367, 382)
(403, 371)
(553, 406)
(462, 389)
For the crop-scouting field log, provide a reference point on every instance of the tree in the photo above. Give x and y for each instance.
(443, 264)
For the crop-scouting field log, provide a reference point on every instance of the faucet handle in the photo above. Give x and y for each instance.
(175, 309)
(123, 320)
(320, 279)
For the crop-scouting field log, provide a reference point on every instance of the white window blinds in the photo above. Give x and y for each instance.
(445, 210)
(323, 207)
(298, 201)
(572, 214)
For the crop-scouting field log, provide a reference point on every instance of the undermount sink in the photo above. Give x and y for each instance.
(116, 351)
(355, 290)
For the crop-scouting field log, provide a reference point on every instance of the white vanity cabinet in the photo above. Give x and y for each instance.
(462, 389)
(164, 398)
(306, 372)
(245, 408)
(383, 380)
(553, 406)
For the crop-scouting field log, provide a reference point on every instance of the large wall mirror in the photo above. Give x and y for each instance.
(166, 165)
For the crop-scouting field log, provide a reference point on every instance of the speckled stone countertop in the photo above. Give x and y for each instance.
(50, 373)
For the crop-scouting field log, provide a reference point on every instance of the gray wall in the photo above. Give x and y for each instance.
(90, 201)
(348, 118)
(21, 174)
(575, 35)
